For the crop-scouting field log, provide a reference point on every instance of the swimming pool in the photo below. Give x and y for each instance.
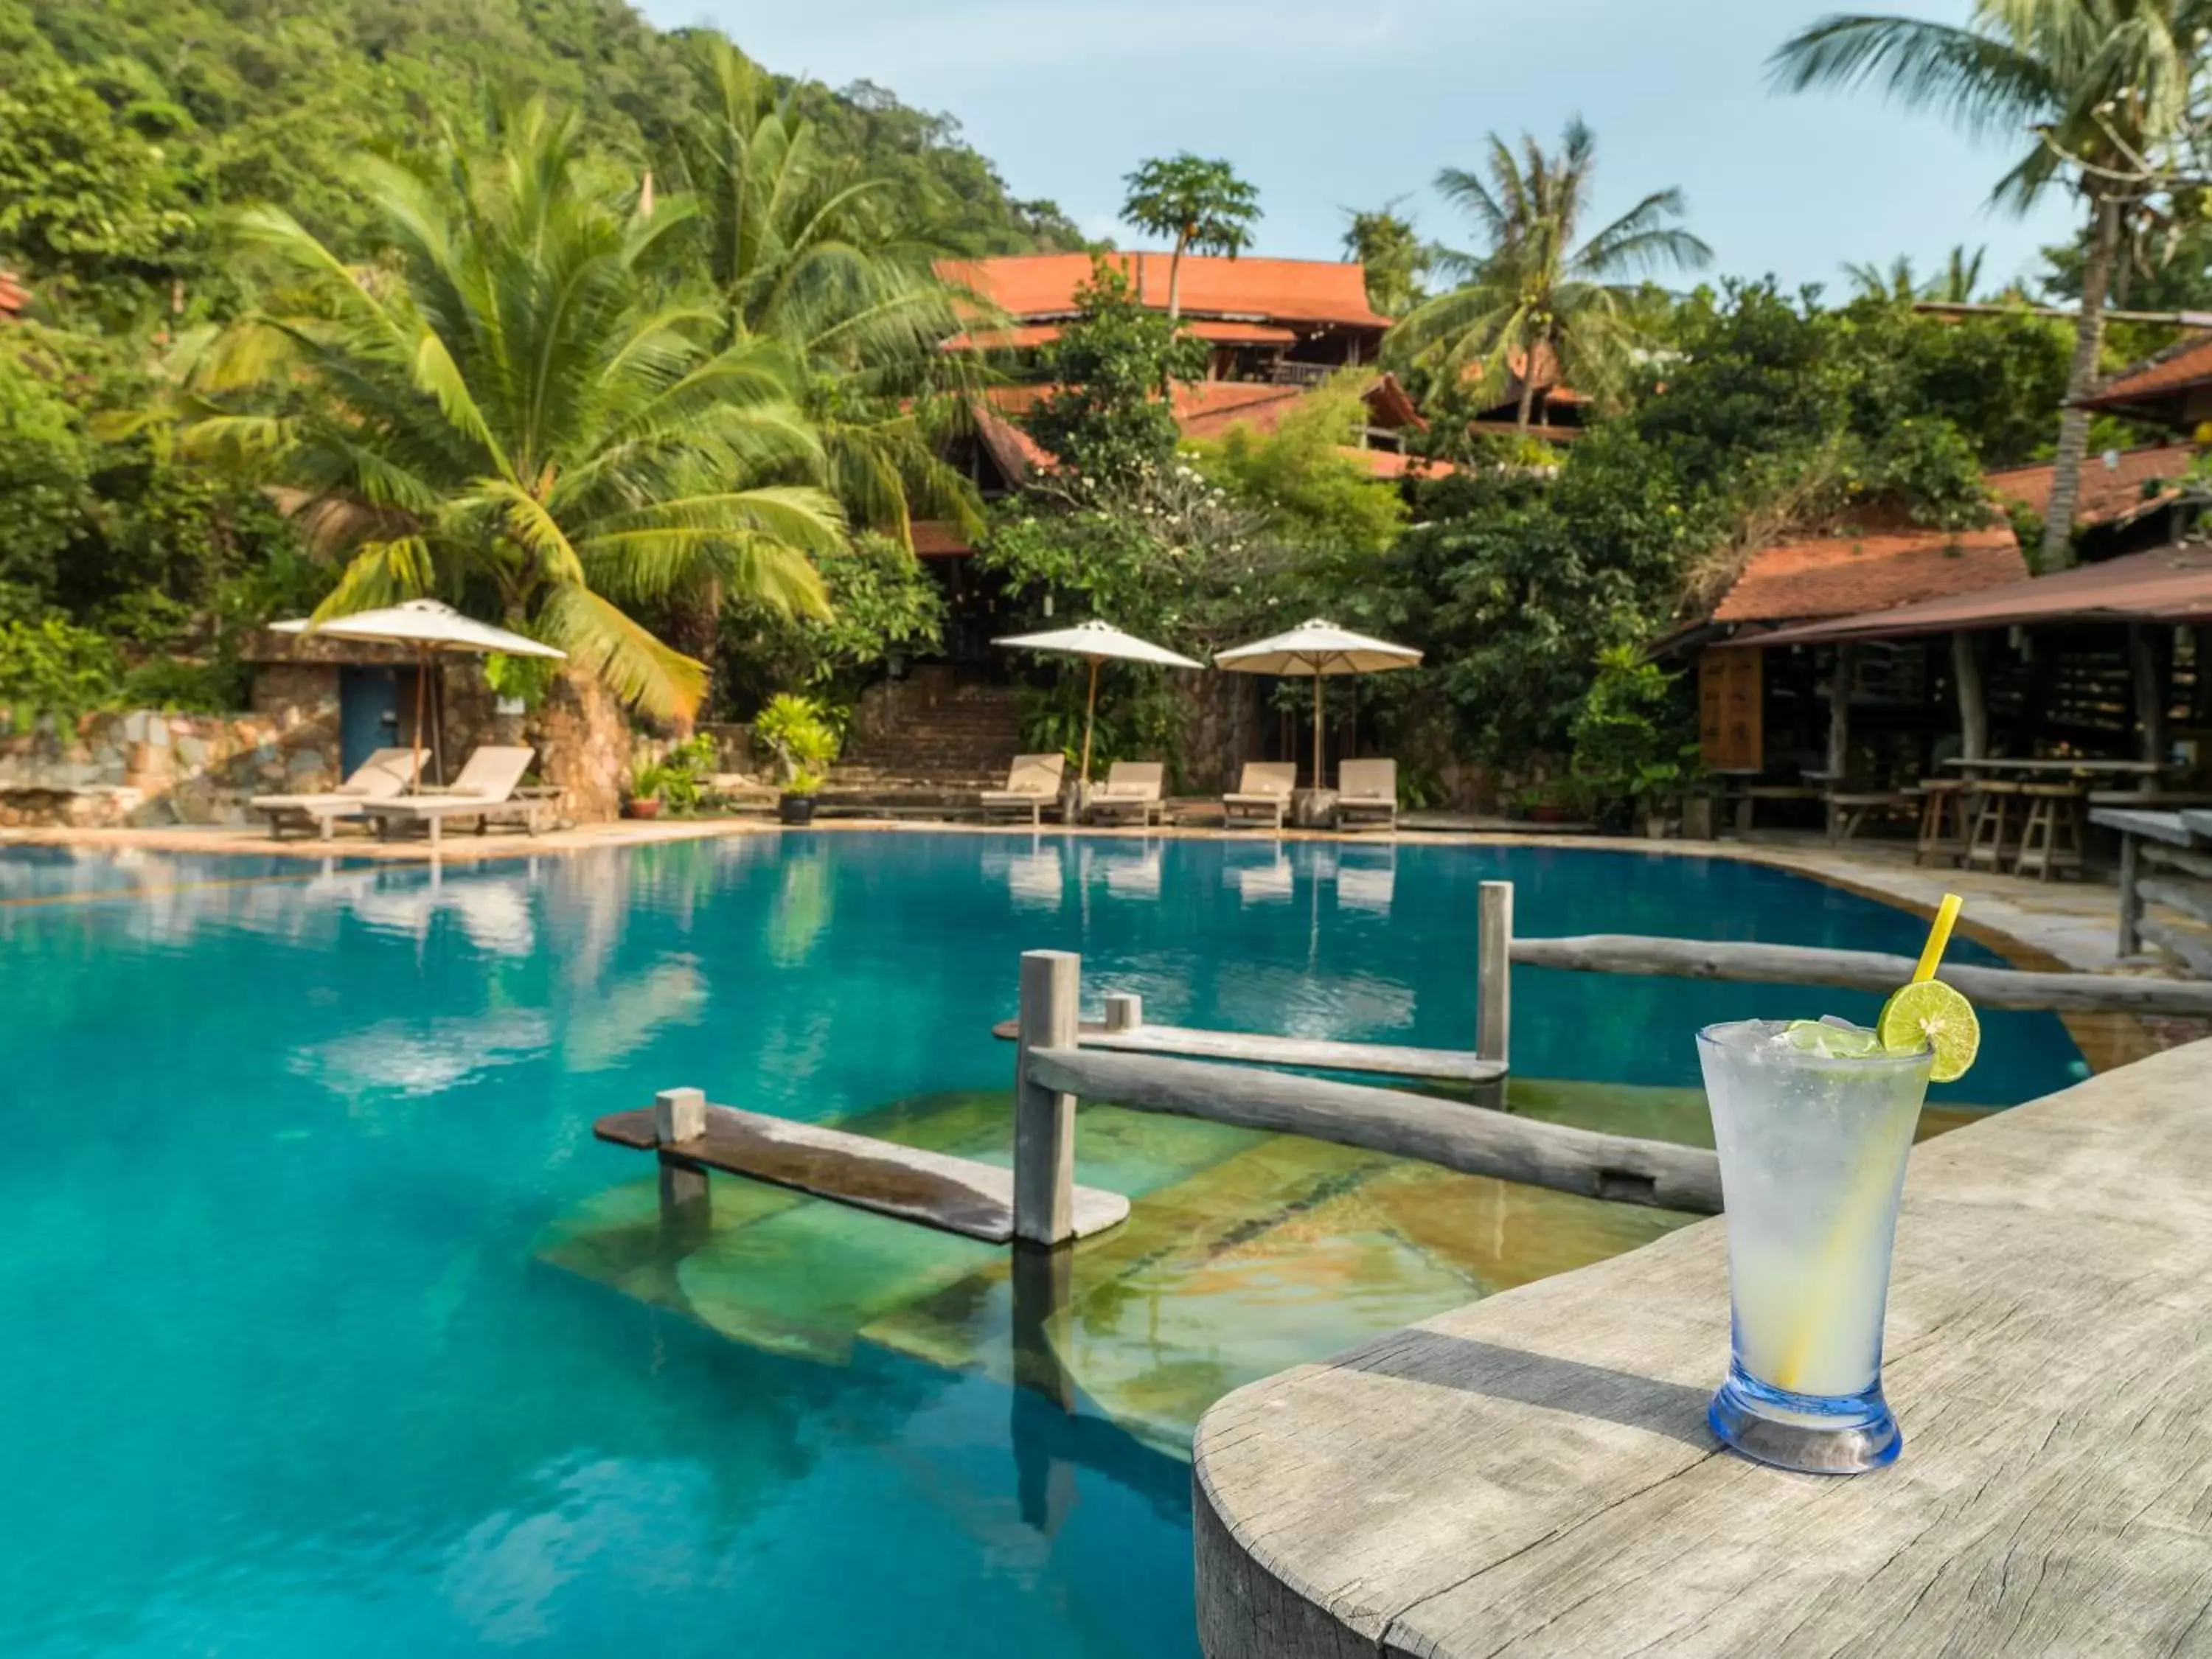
(289, 1375)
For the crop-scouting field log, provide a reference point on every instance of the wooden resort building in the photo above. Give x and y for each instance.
(1292, 321)
(1767, 713)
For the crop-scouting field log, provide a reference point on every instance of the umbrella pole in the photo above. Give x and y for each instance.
(1089, 716)
(421, 657)
(1319, 741)
(437, 723)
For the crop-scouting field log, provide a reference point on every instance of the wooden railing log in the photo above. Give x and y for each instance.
(1468, 1139)
(1864, 971)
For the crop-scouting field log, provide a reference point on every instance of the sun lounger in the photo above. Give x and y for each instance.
(485, 791)
(1032, 784)
(1263, 794)
(1132, 791)
(383, 773)
(1367, 794)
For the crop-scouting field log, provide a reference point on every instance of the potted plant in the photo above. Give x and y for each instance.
(795, 807)
(805, 742)
(647, 784)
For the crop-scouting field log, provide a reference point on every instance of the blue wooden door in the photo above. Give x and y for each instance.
(368, 713)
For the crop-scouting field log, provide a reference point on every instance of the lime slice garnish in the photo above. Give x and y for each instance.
(1830, 1040)
(1929, 1013)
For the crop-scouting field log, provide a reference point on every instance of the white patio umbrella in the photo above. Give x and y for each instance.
(1317, 647)
(429, 628)
(1100, 642)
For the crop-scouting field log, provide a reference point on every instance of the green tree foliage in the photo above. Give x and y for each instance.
(1542, 289)
(508, 409)
(1202, 203)
(1304, 478)
(133, 131)
(85, 202)
(1396, 261)
(1960, 275)
(1105, 418)
(2096, 81)
(810, 247)
(1778, 418)
(881, 601)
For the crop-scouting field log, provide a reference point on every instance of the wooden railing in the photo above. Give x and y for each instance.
(1181, 1070)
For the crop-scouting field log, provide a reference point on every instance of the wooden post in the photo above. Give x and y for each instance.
(679, 1115)
(2150, 700)
(1493, 990)
(1124, 1012)
(1973, 700)
(1839, 730)
(1044, 1120)
(2131, 904)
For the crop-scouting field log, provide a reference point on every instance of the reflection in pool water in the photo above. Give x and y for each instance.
(313, 1349)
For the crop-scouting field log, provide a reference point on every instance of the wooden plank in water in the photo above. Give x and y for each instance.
(1532, 1473)
(958, 1194)
(1316, 1054)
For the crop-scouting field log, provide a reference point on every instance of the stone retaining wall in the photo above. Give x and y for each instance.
(145, 767)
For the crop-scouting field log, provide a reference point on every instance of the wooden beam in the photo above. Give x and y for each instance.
(1257, 1048)
(2192, 898)
(2145, 665)
(1839, 731)
(1974, 699)
(955, 1195)
(1044, 1118)
(1493, 985)
(1863, 971)
(1470, 1139)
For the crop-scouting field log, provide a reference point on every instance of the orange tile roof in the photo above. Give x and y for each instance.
(940, 538)
(2181, 365)
(1844, 575)
(2166, 585)
(1388, 463)
(1034, 287)
(14, 296)
(1206, 408)
(2109, 493)
(1022, 336)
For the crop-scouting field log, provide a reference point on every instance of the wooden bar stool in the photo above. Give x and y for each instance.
(1942, 820)
(1992, 836)
(2057, 827)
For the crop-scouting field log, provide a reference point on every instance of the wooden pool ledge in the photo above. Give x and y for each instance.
(1531, 1474)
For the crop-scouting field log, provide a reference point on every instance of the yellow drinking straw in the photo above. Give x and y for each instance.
(1939, 939)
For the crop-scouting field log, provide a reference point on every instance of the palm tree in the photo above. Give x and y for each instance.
(1392, 256)
(1202, 204)
(1955, 283)
(802, 248)
(1542, 289)
(501, 411)
(2098, 81)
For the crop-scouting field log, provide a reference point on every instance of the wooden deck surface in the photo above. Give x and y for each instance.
(1531, 1474)
(958, 1194)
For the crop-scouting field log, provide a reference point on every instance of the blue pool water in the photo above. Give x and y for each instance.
(284, 1378)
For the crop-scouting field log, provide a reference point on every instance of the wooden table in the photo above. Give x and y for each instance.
(1531, 1474)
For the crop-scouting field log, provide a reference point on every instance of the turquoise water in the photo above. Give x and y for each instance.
(285, 1378)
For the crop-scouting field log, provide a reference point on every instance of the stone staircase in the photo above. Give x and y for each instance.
(925, 744)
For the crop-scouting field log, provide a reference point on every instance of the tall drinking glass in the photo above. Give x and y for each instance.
(1812, 1149)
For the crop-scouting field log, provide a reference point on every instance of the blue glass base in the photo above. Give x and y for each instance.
(1814, 1434)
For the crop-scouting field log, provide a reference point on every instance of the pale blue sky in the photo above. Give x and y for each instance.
(1327, 104)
